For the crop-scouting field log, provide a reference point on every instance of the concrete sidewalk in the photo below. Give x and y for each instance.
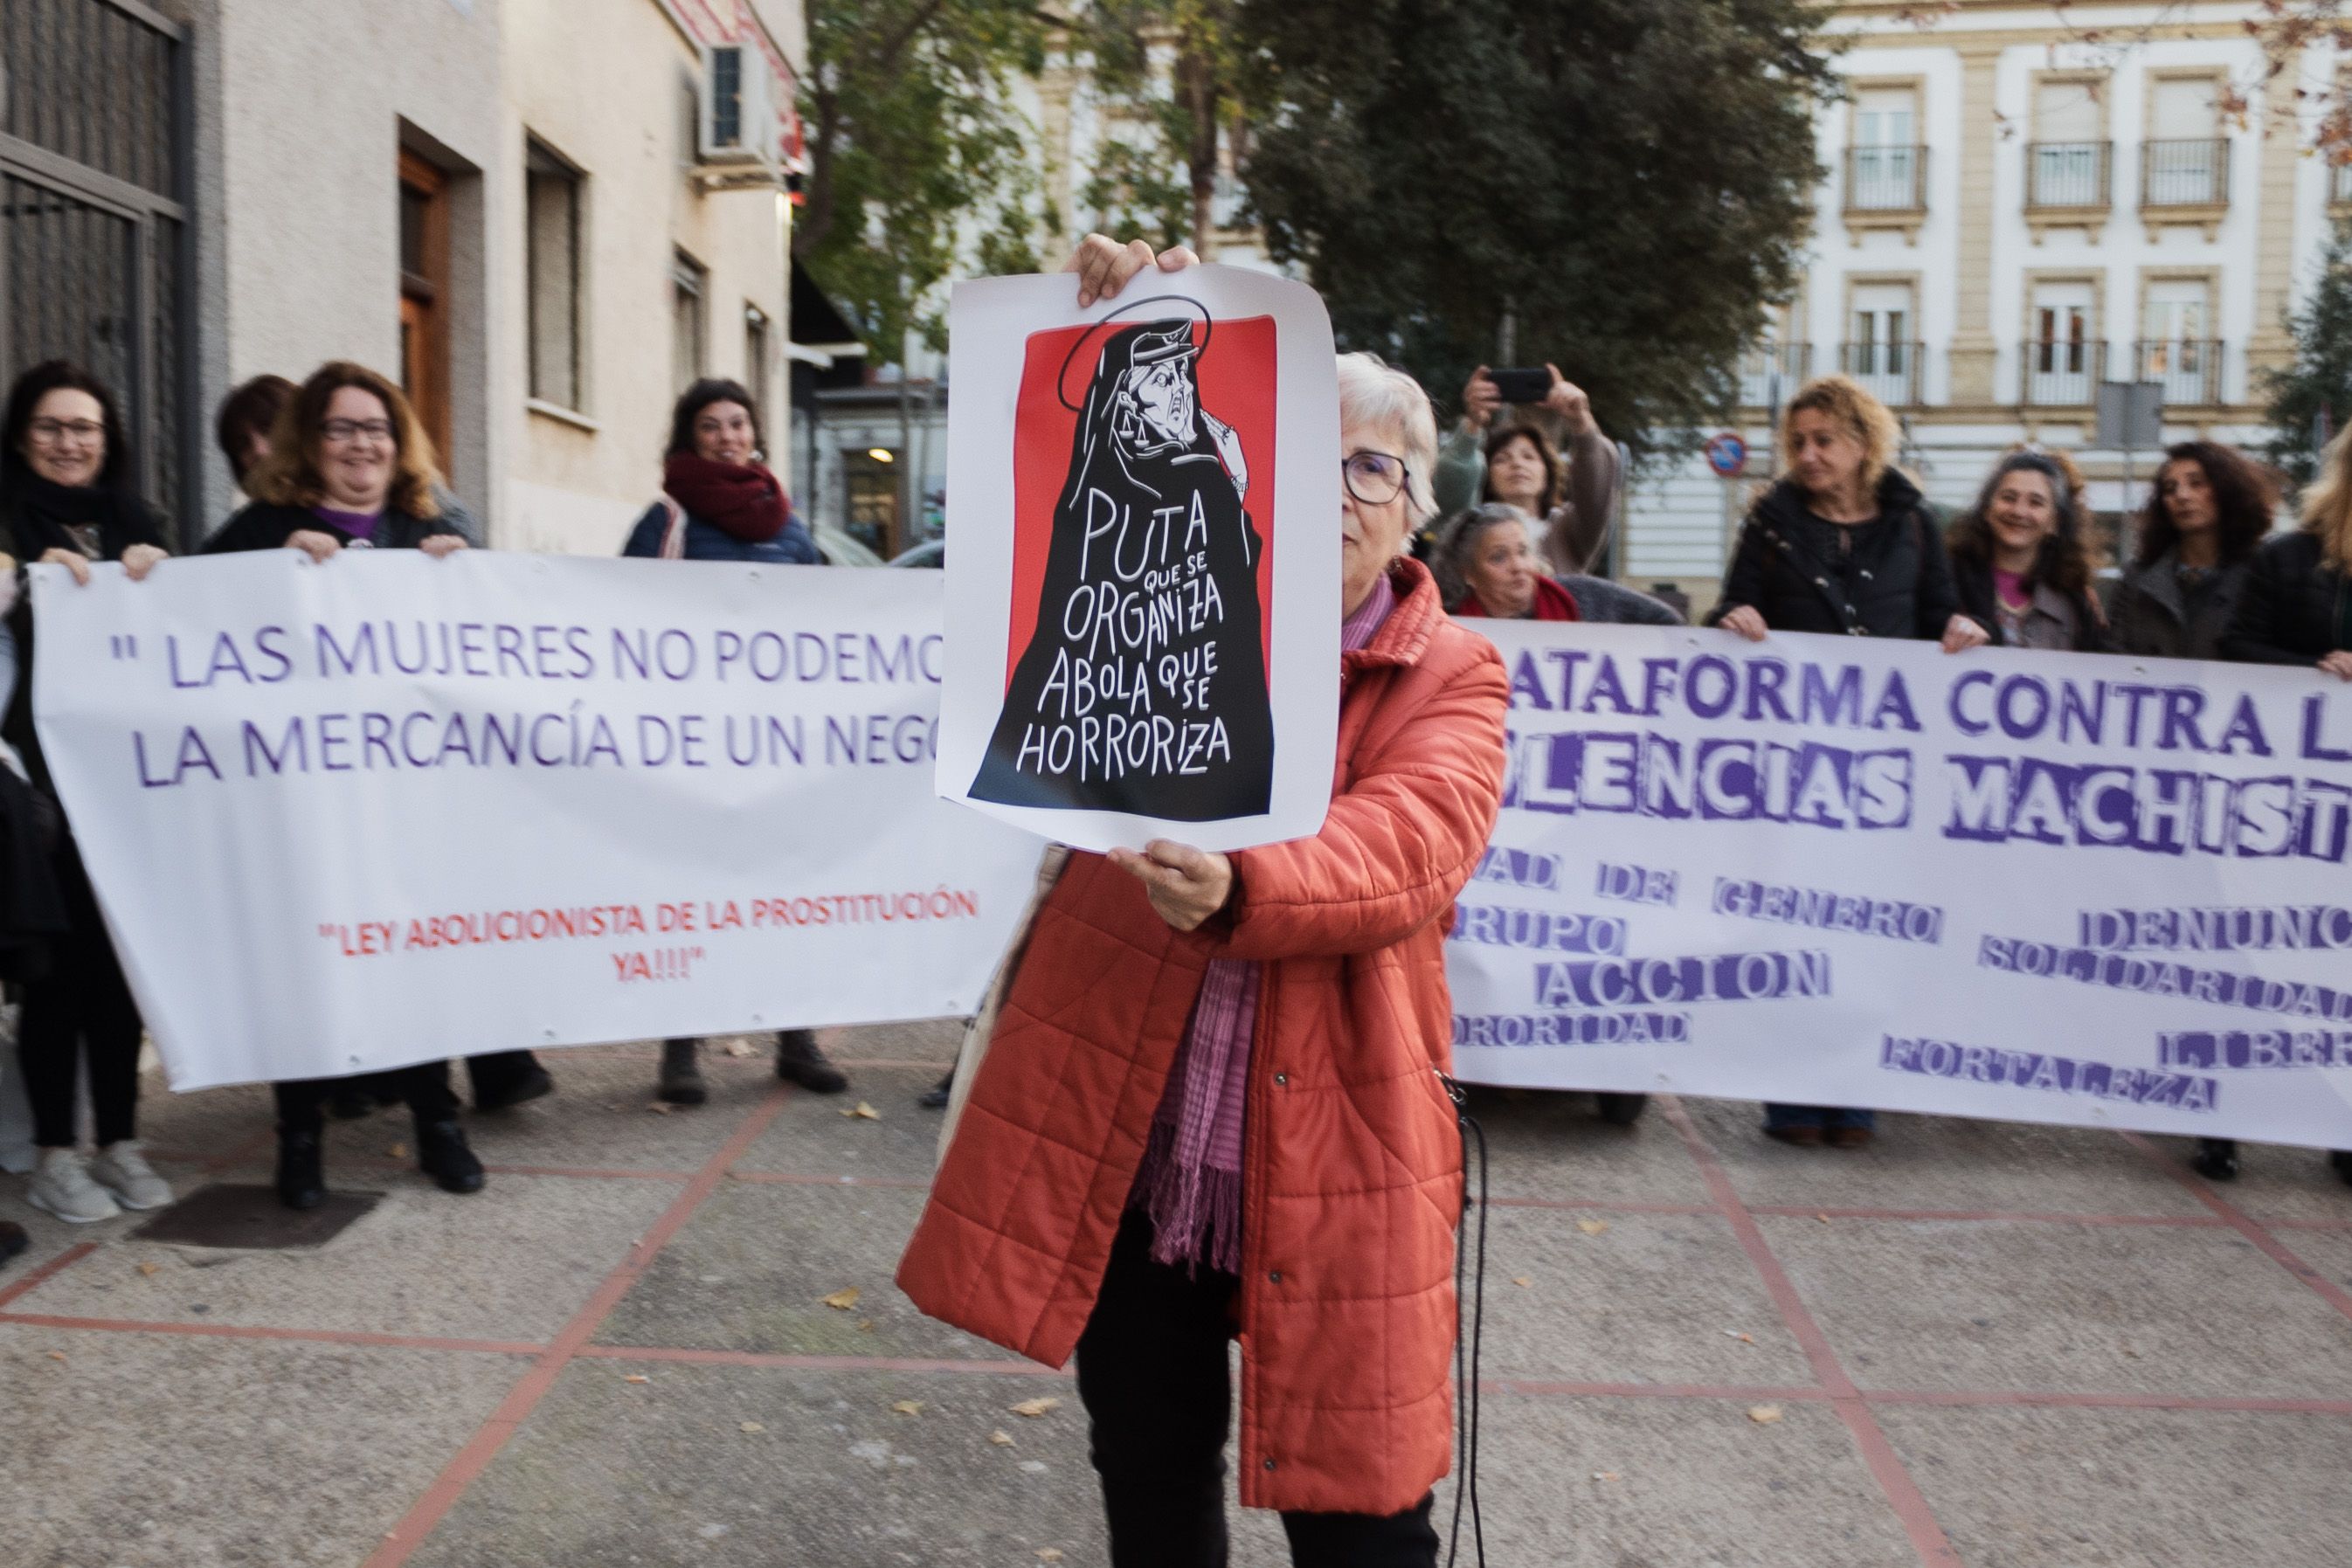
(1975, 1343)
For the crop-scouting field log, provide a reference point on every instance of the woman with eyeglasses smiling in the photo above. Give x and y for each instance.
(349, 467)
(67, 499)
(1211, 1106)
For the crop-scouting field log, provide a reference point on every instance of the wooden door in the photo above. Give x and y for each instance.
(425, 299)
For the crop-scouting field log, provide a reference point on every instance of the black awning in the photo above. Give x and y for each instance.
(817, 322)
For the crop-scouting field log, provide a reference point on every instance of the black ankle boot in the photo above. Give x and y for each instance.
(681, 1073)
(443, 1154)
(798, 1061)
(2216, 1159)
(301, 1168)
(2340, 1162)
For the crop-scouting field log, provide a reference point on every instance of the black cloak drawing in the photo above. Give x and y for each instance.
(1155, 481)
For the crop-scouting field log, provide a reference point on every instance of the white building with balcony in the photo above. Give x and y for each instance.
(2015, 210)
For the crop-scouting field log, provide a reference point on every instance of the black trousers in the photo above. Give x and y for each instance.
(1152, 1375)
(301, 1102)
(82, 1009)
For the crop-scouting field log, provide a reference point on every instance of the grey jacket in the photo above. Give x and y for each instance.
(2150, 615)
(1573, 534)
(1597, 599)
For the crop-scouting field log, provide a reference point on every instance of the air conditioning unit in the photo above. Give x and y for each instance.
(740, 125)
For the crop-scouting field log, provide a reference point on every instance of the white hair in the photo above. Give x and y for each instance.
(1373, 392)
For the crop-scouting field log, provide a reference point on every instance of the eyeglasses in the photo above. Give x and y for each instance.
(50, 431)
(341, 430)
(1374, 478)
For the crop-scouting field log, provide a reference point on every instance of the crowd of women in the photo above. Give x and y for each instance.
(337, 464)
(1845, 545)
(1204, 1099)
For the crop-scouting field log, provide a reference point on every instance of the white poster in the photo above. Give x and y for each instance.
(350, 816)
(1144, 591)
(2042, 887)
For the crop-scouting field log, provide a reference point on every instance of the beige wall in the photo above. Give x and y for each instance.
(604, 83)
(300, 121)
(302, 110)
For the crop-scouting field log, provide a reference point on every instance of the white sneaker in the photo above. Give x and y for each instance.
(62, 1187)
(123, 1170)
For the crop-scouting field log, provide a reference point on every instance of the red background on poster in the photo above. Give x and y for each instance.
(1237, 376)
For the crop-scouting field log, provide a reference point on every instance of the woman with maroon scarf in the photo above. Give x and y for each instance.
(719, 502)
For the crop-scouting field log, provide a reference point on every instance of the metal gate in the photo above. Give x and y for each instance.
(95, 242)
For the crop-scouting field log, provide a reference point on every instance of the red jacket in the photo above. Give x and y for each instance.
(1351, 1164)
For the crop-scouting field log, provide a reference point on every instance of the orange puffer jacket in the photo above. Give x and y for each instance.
(1352, 1164)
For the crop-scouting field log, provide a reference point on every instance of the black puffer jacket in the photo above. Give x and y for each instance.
(264, 525)
(1888, 578)
(2293, 609)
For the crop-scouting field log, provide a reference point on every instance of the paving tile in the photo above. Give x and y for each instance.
(1694, 1482)
(2131, 1488)
(1553, 1145)
(931, 1040)
(1650, 1299)
(749, 1271)
(2277, 1181)
(818, 1134)
(161, 1451)
(1999, 1306)
(512, 1262)
(2329, 1251)
(1943, 1163)
(610, 1472)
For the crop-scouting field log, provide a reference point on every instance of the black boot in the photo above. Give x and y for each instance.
(2217, 1159)
(2340, 1162)
(798, 1061)
(301, 1168)
(13, 1240)
(937, 1096)
(441, 1154)
(1622, 1110)
(507, 1079)
(681, 1073)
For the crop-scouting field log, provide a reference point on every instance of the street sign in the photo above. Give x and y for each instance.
(2131, 415)
(1727, 454)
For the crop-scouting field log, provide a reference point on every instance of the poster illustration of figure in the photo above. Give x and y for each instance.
(1143, 687)
(1142, 600)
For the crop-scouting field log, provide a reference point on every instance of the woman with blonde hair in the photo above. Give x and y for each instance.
(1843, 545)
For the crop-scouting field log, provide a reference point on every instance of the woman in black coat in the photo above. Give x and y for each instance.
(1845, 546)
(2296, 608)
(65, 499)
(350, 468)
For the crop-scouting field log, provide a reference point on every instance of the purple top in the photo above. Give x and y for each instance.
(1191, 1180)
(359, 524)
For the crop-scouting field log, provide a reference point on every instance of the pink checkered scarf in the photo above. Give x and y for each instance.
(1191, 1181)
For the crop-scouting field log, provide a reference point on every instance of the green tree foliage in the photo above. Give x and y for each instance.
(1632, 179)
(1168, 76)
(918, 155)
(2318, 385)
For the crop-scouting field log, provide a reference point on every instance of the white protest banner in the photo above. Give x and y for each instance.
(2042, 887)
(1146, 570)
(350, 816)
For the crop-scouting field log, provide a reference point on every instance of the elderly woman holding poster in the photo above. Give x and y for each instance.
(1213, 1107)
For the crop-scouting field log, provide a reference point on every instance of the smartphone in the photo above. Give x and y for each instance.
(1522, 386)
